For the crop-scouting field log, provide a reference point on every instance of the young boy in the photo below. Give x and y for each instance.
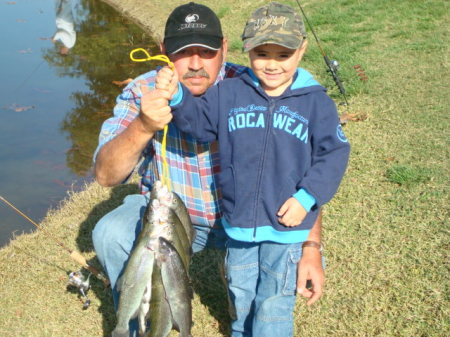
(282, 156)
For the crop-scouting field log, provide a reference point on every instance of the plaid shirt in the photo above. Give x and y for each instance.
(192, 164)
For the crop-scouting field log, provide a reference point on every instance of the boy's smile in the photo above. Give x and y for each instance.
(275, 66)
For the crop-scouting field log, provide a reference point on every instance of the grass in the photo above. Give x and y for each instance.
(404, 175)
(386, 232)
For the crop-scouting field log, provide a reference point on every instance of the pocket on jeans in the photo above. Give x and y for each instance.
(290, 281)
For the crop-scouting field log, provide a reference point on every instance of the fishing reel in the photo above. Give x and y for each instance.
(77, 280)
(334, 65)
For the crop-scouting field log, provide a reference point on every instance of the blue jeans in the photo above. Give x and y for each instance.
(261, 283)
(116, 232)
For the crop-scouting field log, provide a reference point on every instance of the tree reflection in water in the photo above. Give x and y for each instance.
(100, 56)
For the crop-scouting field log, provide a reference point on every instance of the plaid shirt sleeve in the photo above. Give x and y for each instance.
(127, 108)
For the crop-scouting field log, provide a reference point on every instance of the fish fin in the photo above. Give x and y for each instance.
(120, 333)
(190, 287)
(119, 284)
(191, 291)
(122, 283)
(175, 325)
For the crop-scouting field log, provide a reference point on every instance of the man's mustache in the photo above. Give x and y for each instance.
(196, 73)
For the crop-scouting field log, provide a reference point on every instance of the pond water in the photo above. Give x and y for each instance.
(52, 103)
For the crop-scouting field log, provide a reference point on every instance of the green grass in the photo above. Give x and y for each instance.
(386, 233)
(404, 175)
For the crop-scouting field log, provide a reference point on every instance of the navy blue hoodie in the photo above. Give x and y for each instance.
(271, 148)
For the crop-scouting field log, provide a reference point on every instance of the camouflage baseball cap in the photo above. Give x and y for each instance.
(274, 23)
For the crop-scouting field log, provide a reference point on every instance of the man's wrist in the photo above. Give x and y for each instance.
(313, 244)
(143, 128)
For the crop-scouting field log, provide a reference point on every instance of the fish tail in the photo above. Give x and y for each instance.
(117, 332)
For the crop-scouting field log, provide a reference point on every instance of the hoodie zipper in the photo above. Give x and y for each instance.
(261, 165)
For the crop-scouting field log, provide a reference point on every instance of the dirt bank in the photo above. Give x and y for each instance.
(150, 15)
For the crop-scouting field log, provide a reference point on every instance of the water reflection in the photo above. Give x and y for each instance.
(52, 104)
(101, 56)
(65, 26)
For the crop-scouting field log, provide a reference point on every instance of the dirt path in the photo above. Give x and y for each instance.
(150, 15)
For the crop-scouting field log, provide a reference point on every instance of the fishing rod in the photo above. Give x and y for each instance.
(76, 278)
(332, 65)
(28, 77)
(76, 256)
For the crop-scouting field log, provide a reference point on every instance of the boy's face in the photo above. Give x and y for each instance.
(275, 66)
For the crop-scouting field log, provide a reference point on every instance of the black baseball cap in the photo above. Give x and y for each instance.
(192, 25)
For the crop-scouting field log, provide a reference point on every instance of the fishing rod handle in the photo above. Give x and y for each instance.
(82, 261)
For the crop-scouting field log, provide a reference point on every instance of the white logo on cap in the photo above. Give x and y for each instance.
(191, 18)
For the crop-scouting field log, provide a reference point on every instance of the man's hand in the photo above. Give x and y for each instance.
(167, 79)
(155, 110)
(310, 268)
(291, 213)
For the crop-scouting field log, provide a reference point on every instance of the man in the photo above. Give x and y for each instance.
(194, 42)
(65, 33)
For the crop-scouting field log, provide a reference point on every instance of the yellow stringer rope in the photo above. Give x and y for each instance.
(165, 178)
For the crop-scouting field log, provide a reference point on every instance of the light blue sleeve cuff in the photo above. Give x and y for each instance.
(305, 199)
(178, 96)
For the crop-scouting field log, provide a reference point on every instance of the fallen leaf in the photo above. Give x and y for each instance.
(25, 51)
(44, 91)
(122, 83)
(58, 167)
(18, 108)
(60, 183)
(40, 162)
(355, 117)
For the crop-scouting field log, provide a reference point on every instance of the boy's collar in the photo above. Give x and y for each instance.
(253, 77)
